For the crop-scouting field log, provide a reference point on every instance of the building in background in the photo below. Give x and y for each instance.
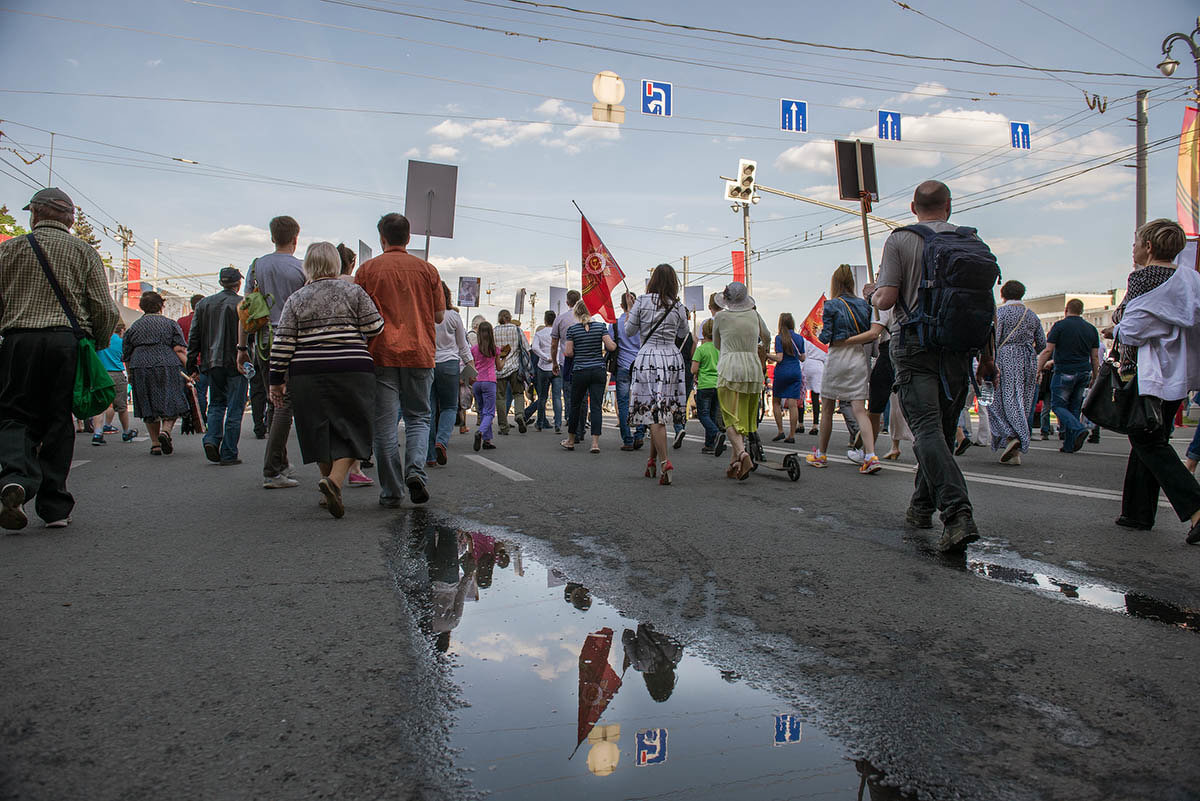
(1097, 306)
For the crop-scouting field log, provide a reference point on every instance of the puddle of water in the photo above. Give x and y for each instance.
(565, 697)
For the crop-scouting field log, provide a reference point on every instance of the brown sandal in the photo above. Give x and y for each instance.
(747, 464)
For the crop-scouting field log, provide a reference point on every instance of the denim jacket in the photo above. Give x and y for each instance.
(837, 323)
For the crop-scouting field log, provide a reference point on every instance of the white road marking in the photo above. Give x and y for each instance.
(507, 472)
(79, 463)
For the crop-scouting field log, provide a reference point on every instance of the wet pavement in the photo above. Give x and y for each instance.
(562, 695)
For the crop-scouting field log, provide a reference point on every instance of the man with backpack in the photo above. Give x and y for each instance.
(275, 276)
(939, 278)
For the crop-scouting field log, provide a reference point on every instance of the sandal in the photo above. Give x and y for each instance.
(651, 467)
(164, 439)
(892, 455)
(747, 464)
(733, 469)
(156, 450)
(667, 467)
(567, 445)
(595, 449)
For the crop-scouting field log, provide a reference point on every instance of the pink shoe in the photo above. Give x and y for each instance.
(360, 480)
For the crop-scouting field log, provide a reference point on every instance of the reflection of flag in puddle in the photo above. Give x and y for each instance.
(598, 682)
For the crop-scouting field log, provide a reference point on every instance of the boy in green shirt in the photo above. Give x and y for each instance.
(704, 367)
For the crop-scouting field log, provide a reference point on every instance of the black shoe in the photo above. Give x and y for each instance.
(12, 511)
(229, 462)
(1080, 438)
(778, 437)
(962, 447)
(626, 447)
(706, 449)
(1045, 436)
(478, 440)
(558, 429)
(366, 464)
(416, 490)
(1193, 536)
(719, 448)
(211, 452)
(679, 435)
(958, 534)
(1125, 522)
(917, 519)
(637, 443)
(260, 434)
(521, 426)
(1094, 437)
(487, 446)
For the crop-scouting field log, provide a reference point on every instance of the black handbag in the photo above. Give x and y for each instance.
(1115, 404)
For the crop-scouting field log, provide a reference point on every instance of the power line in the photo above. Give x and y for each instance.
(1084, 33)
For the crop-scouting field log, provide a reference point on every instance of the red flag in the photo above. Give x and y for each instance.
(1187, 182)
(810, 329)
(601, 274)
(134, 292)
(598, 682)
(739, 266)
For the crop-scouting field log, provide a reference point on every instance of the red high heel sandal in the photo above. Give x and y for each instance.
(667, 467)
(651, 467)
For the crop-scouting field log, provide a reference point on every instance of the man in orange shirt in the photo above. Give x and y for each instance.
(408, 293)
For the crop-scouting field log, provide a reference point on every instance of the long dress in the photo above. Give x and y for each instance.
(159, 389)
(1019, 339)
(788, 381)
(657, 393)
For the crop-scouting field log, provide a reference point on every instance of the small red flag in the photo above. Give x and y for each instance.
(601, 274)
(810, 329)
(598, 682)
(739, 266)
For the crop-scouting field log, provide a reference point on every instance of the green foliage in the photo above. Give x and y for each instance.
(8, 224)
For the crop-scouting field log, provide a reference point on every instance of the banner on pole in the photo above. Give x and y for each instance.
(468, 292)
(601, 274)
(1187, 183)
(739, 266)
(810, 329)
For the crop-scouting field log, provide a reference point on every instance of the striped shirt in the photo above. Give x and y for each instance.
(588, 344)
(323, 328)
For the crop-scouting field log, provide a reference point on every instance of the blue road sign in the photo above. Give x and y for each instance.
(889, 125)
(787, 729)
(656, 98)
(1020, 134)
(651, 747)
(793, 115)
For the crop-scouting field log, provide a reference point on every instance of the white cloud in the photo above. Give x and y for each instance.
(235, 236)
(922, 92)
(412, 153)
(853, 102)
(811, 156)
(679, 227)
(556, 109)
(154, 63)
(73, 62)
(1005, 246)
(449, 129)
(826, 192)
(442, 152)
(499, 132)
(1067, 205)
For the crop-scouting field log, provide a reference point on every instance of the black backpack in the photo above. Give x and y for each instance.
(955, 308)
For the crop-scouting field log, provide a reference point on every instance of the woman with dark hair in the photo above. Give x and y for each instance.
(487, 360)
(586, 344)
(788, 388)
(657, 394)
(450, 338)
(154, 353)
(1019, 339)
(348, 258)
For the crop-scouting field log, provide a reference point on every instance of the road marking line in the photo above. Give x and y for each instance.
(79, 463)
(507, 472)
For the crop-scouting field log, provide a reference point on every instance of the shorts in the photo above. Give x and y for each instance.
(883, 377)
(121, 385)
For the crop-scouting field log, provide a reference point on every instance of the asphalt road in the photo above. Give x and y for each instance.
(194, 636)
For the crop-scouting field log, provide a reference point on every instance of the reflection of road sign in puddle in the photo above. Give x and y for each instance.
(651, 747)
(787, 729)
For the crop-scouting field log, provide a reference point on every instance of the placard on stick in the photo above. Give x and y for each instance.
(429, 199)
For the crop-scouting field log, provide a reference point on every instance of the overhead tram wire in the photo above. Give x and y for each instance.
(1081, 32)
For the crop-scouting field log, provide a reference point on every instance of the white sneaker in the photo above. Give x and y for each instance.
(289, 471)
(855, 455)
(66, 521)
(280, 482)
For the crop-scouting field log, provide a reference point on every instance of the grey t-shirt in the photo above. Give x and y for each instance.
(901, 267)
(278, 275)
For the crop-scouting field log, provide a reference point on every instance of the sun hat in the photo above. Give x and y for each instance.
(735, 298)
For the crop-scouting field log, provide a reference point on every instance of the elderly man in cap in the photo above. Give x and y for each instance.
(38, 355)
(213, 351)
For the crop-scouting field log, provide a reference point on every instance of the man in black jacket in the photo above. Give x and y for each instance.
(212, 350)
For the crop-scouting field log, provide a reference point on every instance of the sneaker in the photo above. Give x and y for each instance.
(1080, 438)
(914, 518)
(108, 429)
(487, 446)
(440, 453)
(638, 442)
(962, 446)
(855, 455)
(679, 435)
(817, 461)
(12, 512)
(522, 427)
(280, 482)
(229, 462)
(97, 439)
(389, 503)
(719, 448)
(289, 471)
(558, 429)
(703, 449)
(130, 435)
(870, 466)
(504, 432)
(478, 440)
(66, 521)
(1013, 448)
(211, 452)
(958, 534)
(628, 447)
(1094, 437)
(1045, 436)
(359, 480)
(416, 490)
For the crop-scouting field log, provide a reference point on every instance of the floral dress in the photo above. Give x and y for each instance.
(1019, 339)
(657, 394)
(159, 389)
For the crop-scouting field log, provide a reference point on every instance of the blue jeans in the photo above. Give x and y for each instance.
(624, 380)
(202, 394)
(548, 384)
(1066, 398)
(706, 405)
(227, 390)
(401, 391)
(485, 399)
(443, 405)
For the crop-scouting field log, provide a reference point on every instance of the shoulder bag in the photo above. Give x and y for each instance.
(610, 359)
(870, 348)
(94, 390)
(1014, 329)
(1114, 403)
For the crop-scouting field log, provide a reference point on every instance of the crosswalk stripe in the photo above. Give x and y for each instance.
(507, 472)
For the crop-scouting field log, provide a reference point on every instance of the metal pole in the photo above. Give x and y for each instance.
(1142, 120)
(155, 283)
(567, 273)
(862, 206)
(50, 179)
(746, 246)
(428, 222)
(823, 204)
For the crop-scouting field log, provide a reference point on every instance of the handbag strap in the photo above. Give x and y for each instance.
(853, 319)
(58, 292)
(1014, 328)
(661, 320)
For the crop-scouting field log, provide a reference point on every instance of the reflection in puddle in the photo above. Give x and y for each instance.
(553, 704)
(1022, 572)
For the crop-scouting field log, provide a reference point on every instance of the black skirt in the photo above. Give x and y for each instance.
(334, 415)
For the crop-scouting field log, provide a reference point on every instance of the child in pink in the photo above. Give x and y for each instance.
(487, 361)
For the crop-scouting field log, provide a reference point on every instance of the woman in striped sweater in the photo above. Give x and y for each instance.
(319, 357)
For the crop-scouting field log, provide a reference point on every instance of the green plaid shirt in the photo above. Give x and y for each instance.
(26, 296)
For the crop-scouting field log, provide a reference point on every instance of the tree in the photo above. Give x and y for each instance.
(83, 229)
(8, 224)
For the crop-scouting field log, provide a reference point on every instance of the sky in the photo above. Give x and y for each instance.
(313, 108)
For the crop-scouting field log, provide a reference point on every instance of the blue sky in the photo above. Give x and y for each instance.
(513, 112)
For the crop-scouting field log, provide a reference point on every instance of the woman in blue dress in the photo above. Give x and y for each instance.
(788, 389)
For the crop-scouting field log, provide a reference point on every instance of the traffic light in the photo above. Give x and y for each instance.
(742, 189)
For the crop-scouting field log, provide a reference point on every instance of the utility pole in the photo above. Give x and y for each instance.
(155, 281)
(567, 273)
(125, 235)
(50, 178)
(1142, 121)
(746, 246)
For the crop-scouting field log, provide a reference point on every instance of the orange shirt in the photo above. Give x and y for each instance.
(408, 293)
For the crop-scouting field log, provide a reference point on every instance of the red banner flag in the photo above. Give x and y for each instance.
(601, 274)
(739, 266)
(598, 682)
(1187, 182)
(810, 329)
(134, 292)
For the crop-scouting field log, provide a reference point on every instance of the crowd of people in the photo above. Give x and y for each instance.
(344, 352)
